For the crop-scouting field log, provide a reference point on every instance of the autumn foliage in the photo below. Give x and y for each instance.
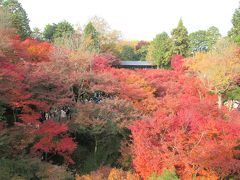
(26, 91)
(177, 62)
(32, 50)
(109, 174)
(146, 121)
(196, 138)
(53, 140)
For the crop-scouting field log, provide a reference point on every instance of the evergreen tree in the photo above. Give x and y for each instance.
(180, 39)
(160, 50)
(18, 17)
(91, 39)
(198, 41)
(213, 35)
(234, 33)
(202, 41)
(127, 53)
(63, 28)
(49, 31)
(37, 34)
(141, 53)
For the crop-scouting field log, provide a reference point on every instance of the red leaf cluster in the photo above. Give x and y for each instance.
(104, 61)
(63, 146)
(177, 62)
(32, 50)
(188, 132)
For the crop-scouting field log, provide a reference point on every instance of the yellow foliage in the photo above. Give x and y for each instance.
(141, 82)
(121, 44)
(85, 177)
(219, 68)
(118, 174)
(105, 173)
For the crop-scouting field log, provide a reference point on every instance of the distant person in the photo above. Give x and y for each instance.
(68, 113)
(63, 114)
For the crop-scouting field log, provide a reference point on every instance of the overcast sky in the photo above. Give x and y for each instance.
(136, 19)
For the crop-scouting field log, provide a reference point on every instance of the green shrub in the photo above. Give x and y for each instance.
(26, 168)
(166, 175)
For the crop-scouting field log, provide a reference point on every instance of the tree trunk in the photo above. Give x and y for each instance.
(14, 116)
(46, 156)
(219, 101)
(96, 145)
(230, 106)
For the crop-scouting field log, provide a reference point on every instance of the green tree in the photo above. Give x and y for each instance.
(233, 94)
(198, 41)
(213, 35)
(63, 28)
(18, 17)
(234, 33)
(25, 167)
(142, 50)
(202, 41)
(127, 53)
(37, 34)
(141, 53)
(180, 39)
(160, 50)
(99, 129)
(91, 38)
(49, 31)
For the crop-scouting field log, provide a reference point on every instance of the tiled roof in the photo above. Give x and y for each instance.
(135, 63)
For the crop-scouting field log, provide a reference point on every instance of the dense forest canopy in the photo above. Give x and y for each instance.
(67, 113)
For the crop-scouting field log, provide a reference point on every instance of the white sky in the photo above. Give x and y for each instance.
(136, 19)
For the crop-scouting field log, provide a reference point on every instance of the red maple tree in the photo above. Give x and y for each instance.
(54, 140)
(188, 134)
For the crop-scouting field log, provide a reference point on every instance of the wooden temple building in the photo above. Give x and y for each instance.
(135, 65)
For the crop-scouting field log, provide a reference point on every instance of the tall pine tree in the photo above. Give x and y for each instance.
(234, 33)
(91, 39)
(180, 39)
(18, 17)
